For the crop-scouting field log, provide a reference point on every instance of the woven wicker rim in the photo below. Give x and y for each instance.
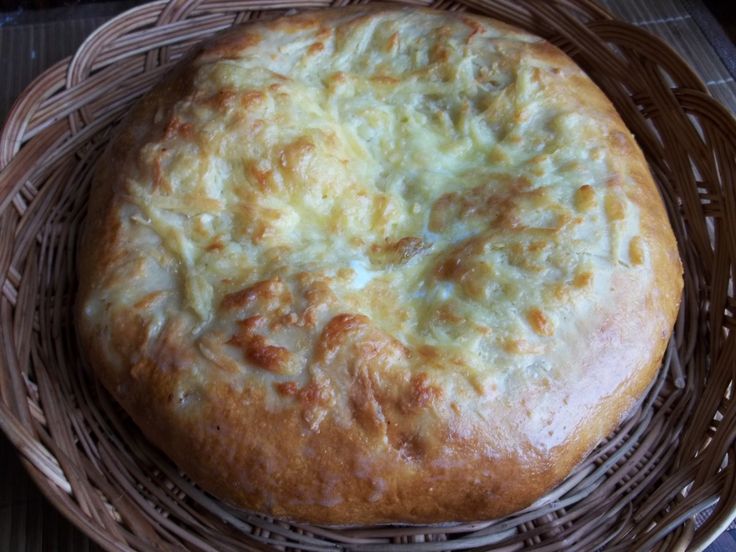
(670, 461)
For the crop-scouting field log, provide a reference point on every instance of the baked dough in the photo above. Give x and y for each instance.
(376, 265)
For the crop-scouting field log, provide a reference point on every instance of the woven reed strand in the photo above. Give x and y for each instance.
(671, 460)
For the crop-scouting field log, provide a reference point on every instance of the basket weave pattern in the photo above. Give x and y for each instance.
(673, 459)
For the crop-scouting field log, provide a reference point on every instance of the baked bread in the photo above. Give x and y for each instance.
(376, 265)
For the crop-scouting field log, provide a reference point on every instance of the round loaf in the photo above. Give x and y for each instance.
(375, 265)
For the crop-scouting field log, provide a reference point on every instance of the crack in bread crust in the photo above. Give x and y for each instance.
(369, 265)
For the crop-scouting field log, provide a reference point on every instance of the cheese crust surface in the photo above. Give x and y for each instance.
(376, 265)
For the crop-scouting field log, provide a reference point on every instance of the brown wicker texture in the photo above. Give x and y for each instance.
(639, 490)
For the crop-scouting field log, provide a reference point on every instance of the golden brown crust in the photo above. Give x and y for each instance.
(511, 314)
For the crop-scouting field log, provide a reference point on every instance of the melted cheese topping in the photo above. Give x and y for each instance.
(429, 185)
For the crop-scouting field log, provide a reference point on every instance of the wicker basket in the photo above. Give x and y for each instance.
(642, 488)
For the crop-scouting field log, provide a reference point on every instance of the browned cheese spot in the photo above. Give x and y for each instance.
(474, 26)
(438, 51)
(149, 300)
(284, 321)
(393, 43)
(267, 293)
(315, 48)
(178, 129)
(160, 181)
(215, 245)
(286, 388)
(583, 279)
(428, 352)
(251, 99)
(262, 178)
(337, 331)
(585, 199)
(539, 322)
(636, 250)
(257, 349)
(297, 156)
(614, 206)
(498, 156)
(221, 99)
(384, 80)
(515, 346)
(485, 202)
(313, 394)
(397, 252)
(421, 392)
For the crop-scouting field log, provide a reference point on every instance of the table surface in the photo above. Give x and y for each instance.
(31, 41)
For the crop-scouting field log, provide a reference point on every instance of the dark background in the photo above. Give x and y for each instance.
(724, 10)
